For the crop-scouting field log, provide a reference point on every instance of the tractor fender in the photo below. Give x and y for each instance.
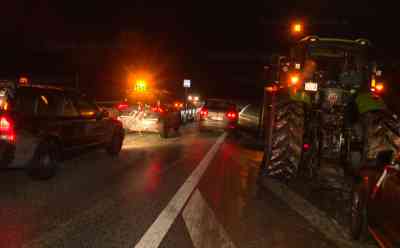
(299, 96)
(367, 102)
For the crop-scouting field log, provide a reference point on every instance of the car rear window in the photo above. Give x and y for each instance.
(26, 103)
(219, 105)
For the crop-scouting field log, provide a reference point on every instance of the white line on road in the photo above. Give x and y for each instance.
(204, 228)
(157, 231)
(317, 218)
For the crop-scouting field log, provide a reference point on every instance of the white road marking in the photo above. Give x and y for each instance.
(157, 231)
(317, 218)
(204, 229)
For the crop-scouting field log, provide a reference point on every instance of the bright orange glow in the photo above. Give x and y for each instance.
(141, 85)
(379, 87)
(272, 88)
(294, 79)
(23, 80)
(297, 28)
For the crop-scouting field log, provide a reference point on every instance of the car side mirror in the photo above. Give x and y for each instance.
(384, 158)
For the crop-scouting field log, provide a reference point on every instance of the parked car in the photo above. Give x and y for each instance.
(218, 114)
(376, 202)
(40, 124)
(160, 117)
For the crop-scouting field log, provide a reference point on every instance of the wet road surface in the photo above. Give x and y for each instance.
(186, 191)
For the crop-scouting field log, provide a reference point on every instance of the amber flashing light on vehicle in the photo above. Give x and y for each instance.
(297, 28)
(141, 86)
(294, 80)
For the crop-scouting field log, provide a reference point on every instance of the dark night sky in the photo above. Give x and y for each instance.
(221, 45)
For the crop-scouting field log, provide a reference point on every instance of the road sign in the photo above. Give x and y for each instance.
(186, 83)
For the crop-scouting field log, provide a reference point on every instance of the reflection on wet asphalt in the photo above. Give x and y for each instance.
(98, 201)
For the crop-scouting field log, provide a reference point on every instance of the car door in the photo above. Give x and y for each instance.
(72, 124)
(95, 130)
(384, 207)
(391, 201)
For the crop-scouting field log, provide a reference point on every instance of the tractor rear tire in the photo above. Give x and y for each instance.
(381, 132)
(287, 140)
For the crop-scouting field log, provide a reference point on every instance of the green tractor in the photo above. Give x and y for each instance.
(326, 104)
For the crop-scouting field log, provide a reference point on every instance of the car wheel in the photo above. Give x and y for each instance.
(164, 131)
(359, 225)
(44, 163)
(115, 146)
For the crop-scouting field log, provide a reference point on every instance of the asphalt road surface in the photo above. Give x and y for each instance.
(191, 190)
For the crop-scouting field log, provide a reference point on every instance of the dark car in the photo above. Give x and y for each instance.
(218, 114)
(39, 124)
(376, 203)
(159, 117)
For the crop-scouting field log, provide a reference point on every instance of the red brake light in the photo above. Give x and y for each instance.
(204, 112)
(5, 124)
(122, 106)
(232, 115)
(6, 129)
(157, 109)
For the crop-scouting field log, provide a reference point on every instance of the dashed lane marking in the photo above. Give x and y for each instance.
(157, 231)
(204, 229)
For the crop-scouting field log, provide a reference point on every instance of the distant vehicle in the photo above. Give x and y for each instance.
(376, 202)
(218, 114)
(188, 113)
(160, 117)
(39, 124)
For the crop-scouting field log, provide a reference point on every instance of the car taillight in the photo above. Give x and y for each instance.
(122, 106)
(6, 129)
(232, 115)
(157, 109)
(203, 112)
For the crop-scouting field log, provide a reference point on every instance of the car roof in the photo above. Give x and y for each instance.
(316, 39)
(48, 88)
(219, 100)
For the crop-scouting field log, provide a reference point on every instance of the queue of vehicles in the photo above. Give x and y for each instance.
(41, 124)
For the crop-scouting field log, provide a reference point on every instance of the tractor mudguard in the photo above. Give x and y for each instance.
(368, 102)
(299, 96)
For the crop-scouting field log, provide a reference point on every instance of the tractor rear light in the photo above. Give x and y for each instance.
(379, 87)
(306, 147)
(6, 129)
